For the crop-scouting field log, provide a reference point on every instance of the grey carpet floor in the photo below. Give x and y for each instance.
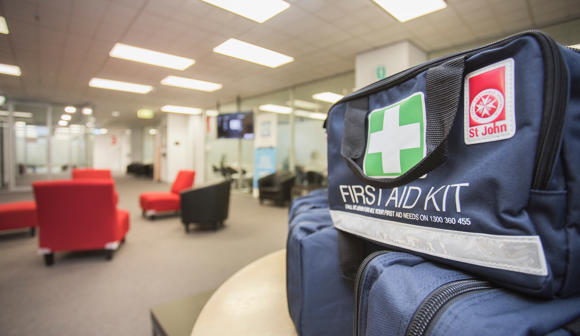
(83, 294)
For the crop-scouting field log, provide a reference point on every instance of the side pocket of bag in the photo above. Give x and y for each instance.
(547, 211)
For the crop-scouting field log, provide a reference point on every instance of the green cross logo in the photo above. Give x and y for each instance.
(396, 137)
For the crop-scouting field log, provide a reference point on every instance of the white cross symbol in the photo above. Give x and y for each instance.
(392, 139)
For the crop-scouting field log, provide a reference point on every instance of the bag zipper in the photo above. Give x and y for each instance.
(358, 283)
(438, 301)
(553, 114)
(555, 100)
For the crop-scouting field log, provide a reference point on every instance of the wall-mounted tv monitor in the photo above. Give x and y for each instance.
(236, 125)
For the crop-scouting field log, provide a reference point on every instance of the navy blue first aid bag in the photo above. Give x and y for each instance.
(320, 300)
(472, 160)
(403, 294)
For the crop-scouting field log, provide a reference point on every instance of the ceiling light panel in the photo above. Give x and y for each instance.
(17, 114)
(311, 115)
(87, 111)
(66, 117)
(276, 108)
(192, 84)
(70, 109)
(120, 86)
(3, 26)
(151, 57)
(256, 10)
(180, 109)
(252, 53)
(328, 97)
(575, 46)
(410, 9)
(12, 70)
(211, 113)
(305, 104)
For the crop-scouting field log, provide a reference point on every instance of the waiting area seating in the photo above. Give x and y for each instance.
(276, 187)
(92, 174)
(140, 169)
(87, 173)
(18, 215)
(78, 215)
(207, 206)
(154, 203)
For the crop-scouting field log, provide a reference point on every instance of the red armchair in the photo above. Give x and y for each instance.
(93, 174)
(88, 173)
(153, 203)
(78, 215)
(18, 215)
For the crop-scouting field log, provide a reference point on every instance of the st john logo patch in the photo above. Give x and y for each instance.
(489, 103)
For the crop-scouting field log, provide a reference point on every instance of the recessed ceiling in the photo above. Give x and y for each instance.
(61, 44)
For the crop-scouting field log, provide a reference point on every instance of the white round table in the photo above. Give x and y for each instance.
(251, 302)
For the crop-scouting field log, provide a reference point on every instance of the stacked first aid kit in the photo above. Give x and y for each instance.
(453, 202)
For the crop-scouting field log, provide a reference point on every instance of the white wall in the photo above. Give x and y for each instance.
(395, 58)
(137, 144)
(197, 129)
(185, 146)
(112, 151)
(178, 155)
(148, 147)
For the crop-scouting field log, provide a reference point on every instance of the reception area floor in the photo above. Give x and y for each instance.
(83, 294)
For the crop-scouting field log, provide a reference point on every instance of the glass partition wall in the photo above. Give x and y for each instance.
(37, 145)
(300, 138)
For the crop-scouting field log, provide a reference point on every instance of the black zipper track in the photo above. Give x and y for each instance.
(553, 113)
(358, 283)
(437, 301)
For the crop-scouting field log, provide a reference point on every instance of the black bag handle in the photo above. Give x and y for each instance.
(443, 90)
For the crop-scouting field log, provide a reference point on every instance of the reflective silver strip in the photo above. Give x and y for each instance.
(513, 253)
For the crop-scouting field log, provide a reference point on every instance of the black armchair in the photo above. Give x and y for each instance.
(207, 205)
(276, 187)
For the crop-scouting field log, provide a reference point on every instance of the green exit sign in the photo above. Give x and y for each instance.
(145, 114)
(381, 71)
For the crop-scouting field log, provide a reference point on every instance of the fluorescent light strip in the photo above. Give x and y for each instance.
(70, 109)
(192, 84)
(3, 26)
(575, 46)
(120, 86)
(256, 10)
(407, 10)
(304, 104)
(12, 70)
(17, 114)
(62, 123)
(151, 57)
(211, 113)
(87, 111)
(275, 108)
(252, 53)
(66, 117)
(311, 115)
(180, 109)
(328, 97)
